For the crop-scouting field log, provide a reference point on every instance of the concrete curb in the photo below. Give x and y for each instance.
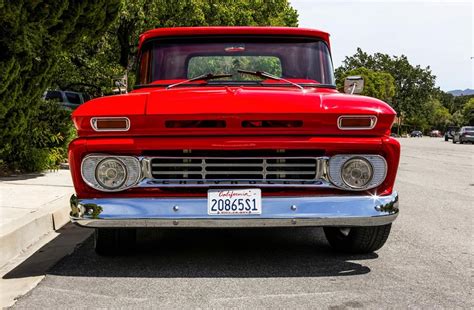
(31, 228)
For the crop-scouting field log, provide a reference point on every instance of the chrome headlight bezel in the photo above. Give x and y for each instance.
(130, 163)
(377, 163)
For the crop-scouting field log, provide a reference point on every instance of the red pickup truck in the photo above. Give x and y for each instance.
(235, 127)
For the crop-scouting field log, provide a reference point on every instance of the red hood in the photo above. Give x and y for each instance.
(317, 109)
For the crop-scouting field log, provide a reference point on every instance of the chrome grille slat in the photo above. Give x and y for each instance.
(290, 165)
(208, 172)
(229, 170)
(176, 165)
(232, 164)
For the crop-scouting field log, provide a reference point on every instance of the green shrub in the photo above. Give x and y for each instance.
(34, 35)
(43, 144)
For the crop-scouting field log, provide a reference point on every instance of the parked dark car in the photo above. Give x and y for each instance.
(416, 134)
(449, 132)
(465, 134)
(67, 99)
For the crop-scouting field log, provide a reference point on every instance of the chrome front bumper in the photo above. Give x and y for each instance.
(276, 212)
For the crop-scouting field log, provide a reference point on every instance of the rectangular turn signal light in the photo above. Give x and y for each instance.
(356, 122)
(110, 123)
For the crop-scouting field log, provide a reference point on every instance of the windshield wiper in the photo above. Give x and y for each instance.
(204, 77)
(263, 74)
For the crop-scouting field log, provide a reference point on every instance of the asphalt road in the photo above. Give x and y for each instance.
(427, 261)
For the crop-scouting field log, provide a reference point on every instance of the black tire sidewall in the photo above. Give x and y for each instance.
(360, 240)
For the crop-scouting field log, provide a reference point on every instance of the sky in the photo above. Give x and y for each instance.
(431, 33)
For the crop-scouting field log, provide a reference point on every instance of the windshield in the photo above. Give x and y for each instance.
(469, 129)
(298, 60)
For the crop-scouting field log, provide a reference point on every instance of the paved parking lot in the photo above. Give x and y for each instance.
(426, 262)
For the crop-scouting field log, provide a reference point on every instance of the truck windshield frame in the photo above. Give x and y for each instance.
(305, 61)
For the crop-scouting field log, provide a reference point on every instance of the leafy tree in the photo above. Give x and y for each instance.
(468, 113)
(99, 63)
(458, 118)
(138, 16)
(452, 103)
(34, 33)
(90, 68)
(414, 86)
(110, 57)
(447, 100)
(439, 116)
(379, 85)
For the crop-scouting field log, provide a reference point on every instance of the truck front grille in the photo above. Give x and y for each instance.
(198, 170)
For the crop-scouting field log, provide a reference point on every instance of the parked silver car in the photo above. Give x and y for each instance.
(465, 134)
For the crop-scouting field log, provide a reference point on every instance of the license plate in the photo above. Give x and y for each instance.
(234, 201)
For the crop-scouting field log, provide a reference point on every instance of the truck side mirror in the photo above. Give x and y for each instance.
(354, 84)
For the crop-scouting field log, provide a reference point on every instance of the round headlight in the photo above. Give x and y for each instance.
(357, 172)
(111, 173)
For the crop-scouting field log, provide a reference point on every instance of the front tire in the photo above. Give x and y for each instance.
(114, 241)
(357, 240)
